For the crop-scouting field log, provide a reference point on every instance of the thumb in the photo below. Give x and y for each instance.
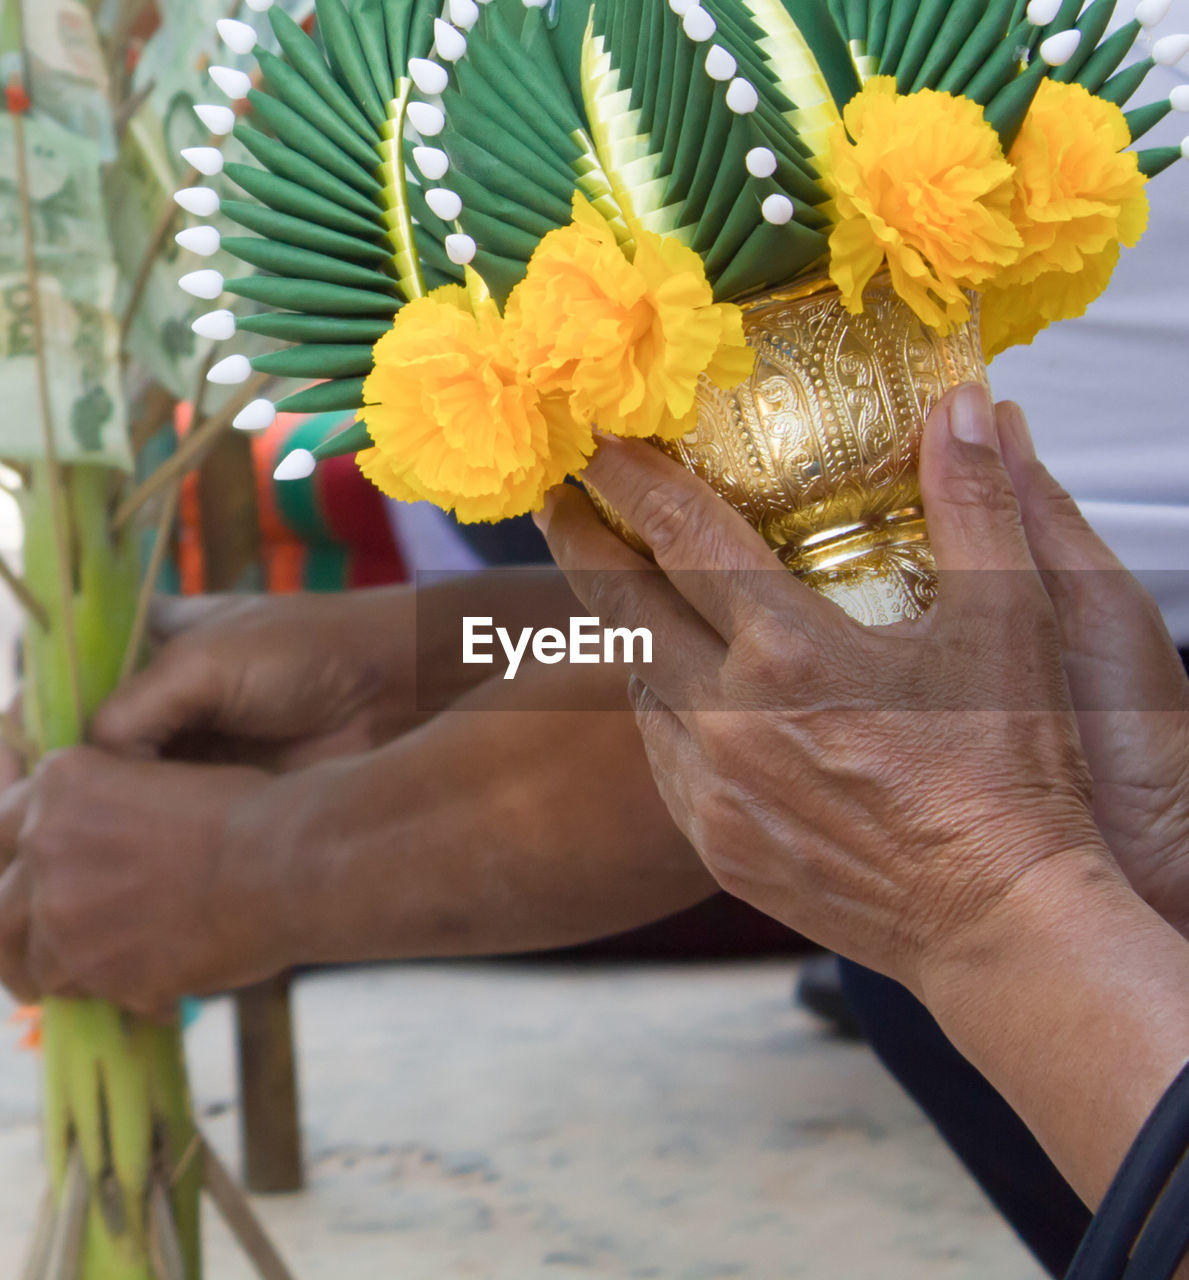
(974, 517)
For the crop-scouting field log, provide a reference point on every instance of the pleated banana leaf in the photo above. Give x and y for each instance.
(411, 143)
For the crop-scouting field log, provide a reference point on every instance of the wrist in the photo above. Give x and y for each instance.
(1063, 896)
(1069, 999)
(261, 875)
(324, 838)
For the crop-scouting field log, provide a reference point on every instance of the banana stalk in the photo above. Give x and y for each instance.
(115, 1088)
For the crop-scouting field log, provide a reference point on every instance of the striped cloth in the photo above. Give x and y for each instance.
(330, 532)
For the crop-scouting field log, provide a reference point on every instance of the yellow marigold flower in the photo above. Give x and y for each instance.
(1078, 195)
(626, 340)
(456, 423)
(925, 187)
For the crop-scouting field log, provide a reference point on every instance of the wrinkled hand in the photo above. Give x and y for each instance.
(882, 791)
(1126, 678)
(107, 862)
(275, 681)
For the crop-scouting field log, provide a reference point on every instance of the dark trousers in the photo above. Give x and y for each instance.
(985, 1133)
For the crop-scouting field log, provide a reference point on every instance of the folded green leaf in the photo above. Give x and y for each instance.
(290, 327)
(344, 393)
(334, 360)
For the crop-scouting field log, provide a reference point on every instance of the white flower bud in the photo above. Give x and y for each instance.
(299, 465)
(207, 160)
(230, 372)
(257, 416)
(461, 249)
(203, 241)
(239, 37)
(207, 284)
(217, 326)
(202, 202)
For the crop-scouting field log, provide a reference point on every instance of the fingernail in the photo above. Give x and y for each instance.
(972, 418)
(1014, 432)
(542, 518)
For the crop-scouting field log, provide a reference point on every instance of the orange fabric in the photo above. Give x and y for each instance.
(190, 560)
(284, 555)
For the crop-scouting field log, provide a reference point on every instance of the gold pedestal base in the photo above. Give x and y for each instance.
(880, 572)
(819, 449)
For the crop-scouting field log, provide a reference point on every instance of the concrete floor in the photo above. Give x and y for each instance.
(544, 1123)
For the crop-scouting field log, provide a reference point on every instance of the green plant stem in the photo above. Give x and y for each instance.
(115, 1086)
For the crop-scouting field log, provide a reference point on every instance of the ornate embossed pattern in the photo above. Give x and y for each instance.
(819, 450)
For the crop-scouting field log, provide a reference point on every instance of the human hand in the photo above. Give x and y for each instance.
(881, 791)
(286, 681)
(1126, 678)
(278, 681)
(140, 881)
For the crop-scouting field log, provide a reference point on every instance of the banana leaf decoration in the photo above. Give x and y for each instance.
(407, 145)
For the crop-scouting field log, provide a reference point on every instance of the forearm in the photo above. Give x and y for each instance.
(487, 830)
(1074, 1002)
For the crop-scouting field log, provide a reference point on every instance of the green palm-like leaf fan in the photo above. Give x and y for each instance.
(409, 145)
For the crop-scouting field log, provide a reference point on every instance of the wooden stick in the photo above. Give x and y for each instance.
(202, 390)
(66, 1247)
(53, 470)
(193, 1148)
(189, 452)
(243, 1223)
(43, 1234)
(165, 1249)
(148, 586)
(140, 281)
(20, 588)
(270, 1119)
(23, 472)
(155, 407)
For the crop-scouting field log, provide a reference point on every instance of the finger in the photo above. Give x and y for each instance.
(13, 763)
(14, 934)
(973, 513)
(14, 804)
(1059, 536)
(621, 588)
(12, 767)
(718, 562)
(1117, 650)
(975, 527)
(47, 972)
(672, 753)
(180, 691)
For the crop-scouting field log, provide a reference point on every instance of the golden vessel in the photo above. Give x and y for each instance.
(819, 449)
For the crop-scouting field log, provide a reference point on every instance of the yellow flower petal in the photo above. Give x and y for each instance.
(1078, 195)
(482, 413)
(453, 420)
(921, 183)
(628, 339)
